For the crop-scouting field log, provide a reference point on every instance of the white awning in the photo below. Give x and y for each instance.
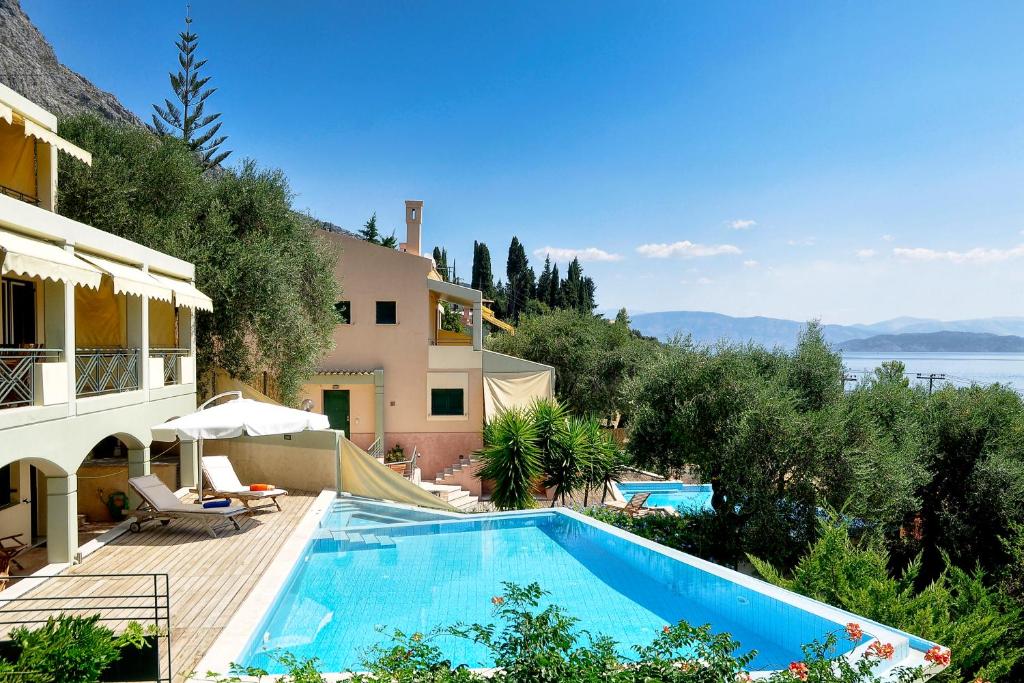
(129, 279)
(185, 293)
(34, 258)
(6, 113)
(241, 417)
(39, 133)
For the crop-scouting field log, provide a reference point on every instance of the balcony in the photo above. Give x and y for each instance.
(175, 364)
(24, 380)
(106, 371)
(17, 194)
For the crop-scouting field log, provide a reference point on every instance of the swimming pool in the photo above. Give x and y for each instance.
(676, 494)
(351, 582)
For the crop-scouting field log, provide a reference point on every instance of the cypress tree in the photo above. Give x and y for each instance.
(554, 293)
(190, 119)
(544, 281)
(517, 268)
(483, 277)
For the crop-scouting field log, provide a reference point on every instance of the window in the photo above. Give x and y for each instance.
(387, 313)
(343, 309)
(446, 402)
(8, 493)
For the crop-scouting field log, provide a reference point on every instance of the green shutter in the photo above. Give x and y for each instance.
(447, 402)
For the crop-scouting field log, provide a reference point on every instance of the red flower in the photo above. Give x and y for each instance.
(880, 650)
(799, 669)
(938, 655)
(497, 600)
(665, 629)
(854, 632)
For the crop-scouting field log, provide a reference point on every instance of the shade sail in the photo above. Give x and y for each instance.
(129, 279)
(34, 258)
(185, 293)
(49, 137)
(508, 390)
(241, 417)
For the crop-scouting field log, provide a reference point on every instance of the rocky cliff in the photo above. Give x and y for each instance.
(29, 66)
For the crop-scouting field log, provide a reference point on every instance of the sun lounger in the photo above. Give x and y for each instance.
(635, 506)
(10, 547)
(159, 502)
(223, 481)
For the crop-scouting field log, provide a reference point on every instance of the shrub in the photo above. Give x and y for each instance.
(511, 460)
(958, 610)
(69, 649)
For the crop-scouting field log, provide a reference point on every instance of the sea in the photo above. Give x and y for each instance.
(960, 369)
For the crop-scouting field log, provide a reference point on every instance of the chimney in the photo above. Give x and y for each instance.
(413, 224)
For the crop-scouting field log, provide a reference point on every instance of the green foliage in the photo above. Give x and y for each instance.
(189, 120)
(271, 277)
(957, 610)
(591, 357)
(521, 281)
(482, 277)
(570, 458)
(69, 649)
(511, 460)
(370, 233)
(695, 533)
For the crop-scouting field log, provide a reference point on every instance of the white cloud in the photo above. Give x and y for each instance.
(866, 253)
(686, 249)
(742, 224)
(805, 242)
(976, 255)
(750, 264)
(705, 281)
(563, 254)
(887, 238)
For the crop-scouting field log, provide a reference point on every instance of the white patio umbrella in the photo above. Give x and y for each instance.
(240, 417)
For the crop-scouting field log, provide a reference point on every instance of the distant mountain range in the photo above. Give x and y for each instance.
(962, 342)
(707, 327)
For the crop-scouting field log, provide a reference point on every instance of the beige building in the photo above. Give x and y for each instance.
(97, 345)
(396, 377)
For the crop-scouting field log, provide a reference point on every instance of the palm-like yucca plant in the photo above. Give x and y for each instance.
(571, 457)
(511, 459)
(607, 462)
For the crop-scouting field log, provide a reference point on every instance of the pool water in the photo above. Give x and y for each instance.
(352, 588)
(352, 512)
(683, 497)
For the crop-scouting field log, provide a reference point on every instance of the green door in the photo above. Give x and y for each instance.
(336, 408)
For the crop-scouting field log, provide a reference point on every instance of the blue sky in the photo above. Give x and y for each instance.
(849, 161)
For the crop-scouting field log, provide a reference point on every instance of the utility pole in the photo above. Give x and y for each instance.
(848, 377)
(931, 377)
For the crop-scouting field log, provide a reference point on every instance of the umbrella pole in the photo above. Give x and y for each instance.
(199, 473)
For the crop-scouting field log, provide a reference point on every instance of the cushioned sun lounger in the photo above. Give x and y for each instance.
(223, 481)
(159, 502)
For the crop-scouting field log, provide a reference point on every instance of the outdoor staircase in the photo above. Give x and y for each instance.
(456, 496)
(451, 472)
(353, 540)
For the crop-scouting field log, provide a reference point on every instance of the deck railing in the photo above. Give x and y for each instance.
(170, 356)
(117, 600)
(17, 194)
(17, 374)
(106, 371)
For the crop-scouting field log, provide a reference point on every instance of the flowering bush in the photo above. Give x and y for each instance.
(530, 644)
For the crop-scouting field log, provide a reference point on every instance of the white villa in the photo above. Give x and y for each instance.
(97, 342)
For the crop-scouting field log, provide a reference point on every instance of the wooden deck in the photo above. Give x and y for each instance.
(209, 577)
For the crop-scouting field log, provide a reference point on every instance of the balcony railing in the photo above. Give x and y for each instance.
(17, 194)
(170, 357)
(17, 374)
(106, 371)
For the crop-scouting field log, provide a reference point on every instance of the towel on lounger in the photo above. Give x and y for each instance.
(222, 503)
(261, 487)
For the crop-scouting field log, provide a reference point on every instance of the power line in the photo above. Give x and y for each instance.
(931, 377)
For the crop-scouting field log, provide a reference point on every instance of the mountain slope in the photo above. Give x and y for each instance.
(708, 327)
(962, 342)
(29, 66)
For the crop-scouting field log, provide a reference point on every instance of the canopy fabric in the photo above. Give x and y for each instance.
(363, 475)
(34, 258)
(509, 390)
(129, 279)
(241, 417)
(488, 315)
(185, 293)
(6, 113)
(49, 137)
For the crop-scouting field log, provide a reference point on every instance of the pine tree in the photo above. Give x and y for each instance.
(370, 233)
(622, 317)
(588, 300)
(189, 119)
(391, 242)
